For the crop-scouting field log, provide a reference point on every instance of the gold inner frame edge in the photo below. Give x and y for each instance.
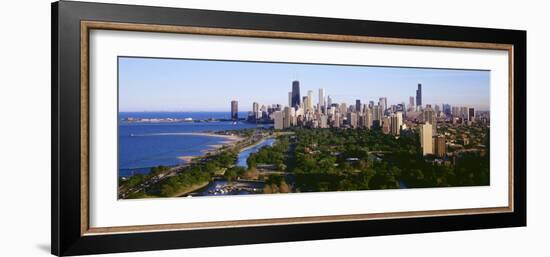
(86, 26)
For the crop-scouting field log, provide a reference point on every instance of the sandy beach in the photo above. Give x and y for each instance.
(187, 158)
(255, 144)
(206, 134)
(230, 140)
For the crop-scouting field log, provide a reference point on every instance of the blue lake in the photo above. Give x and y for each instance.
(145, 145)
(243, 156)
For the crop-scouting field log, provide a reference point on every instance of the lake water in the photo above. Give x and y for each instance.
(145, 145)
(243, 156)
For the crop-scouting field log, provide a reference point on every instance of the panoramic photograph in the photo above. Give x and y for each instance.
(192, 128)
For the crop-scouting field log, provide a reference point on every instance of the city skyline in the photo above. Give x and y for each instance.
(153, 84)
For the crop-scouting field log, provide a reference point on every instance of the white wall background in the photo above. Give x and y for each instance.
(25, 127)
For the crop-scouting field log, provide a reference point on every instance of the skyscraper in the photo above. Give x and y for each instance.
(471, 114)
(464, 113)
(321, 98)
(352, 119)
(386, 125)
(287, 117)
(411, 102)
(377, 114)
(256, 110)
(455, 111)
(383, 102)
(290, 98)
(310, 100)
(295, 94)
(429, 115)
(368, 117)
(419, 95)
(278, 119)
(371, 104)
(358, 105)
(395, 123)
(426, 139)
(234, 110)
(337, 120)
(343, 108)
(447, 109)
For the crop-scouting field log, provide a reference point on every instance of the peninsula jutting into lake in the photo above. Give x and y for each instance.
(292, 137)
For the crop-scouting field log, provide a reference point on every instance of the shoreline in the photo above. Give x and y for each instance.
(191, 189)
(206, 134)
(255, 144)
(230, 140)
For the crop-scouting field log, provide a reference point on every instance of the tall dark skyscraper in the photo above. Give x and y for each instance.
(447, 109)
(234, 110)
(419, 95)
(358, 105)
(295, 93)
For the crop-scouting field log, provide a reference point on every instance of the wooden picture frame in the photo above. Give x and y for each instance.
(71, 25)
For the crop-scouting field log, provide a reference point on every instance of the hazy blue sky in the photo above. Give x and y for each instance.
(152, 84)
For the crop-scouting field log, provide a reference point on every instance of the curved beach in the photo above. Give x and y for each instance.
(231, 140)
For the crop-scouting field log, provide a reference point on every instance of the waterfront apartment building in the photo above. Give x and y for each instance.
(440, 146)
(426, 139)
(287, 118)
(234, 110)
(396, 120)
(256, 110)
(278, 119)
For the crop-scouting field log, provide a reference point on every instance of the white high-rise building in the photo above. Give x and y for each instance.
(321, 98)
(368, 117)
(383, 102)
(289, 98)
(396, 122)
(426, 139)
(337, 120)
(378, 113)
(343, 108)
(256, 110)
(279, 119)
(310, 100)
(352, 119)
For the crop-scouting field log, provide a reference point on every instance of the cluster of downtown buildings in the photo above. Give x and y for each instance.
(394, 119)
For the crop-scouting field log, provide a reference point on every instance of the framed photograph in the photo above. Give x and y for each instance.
(178, 128)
